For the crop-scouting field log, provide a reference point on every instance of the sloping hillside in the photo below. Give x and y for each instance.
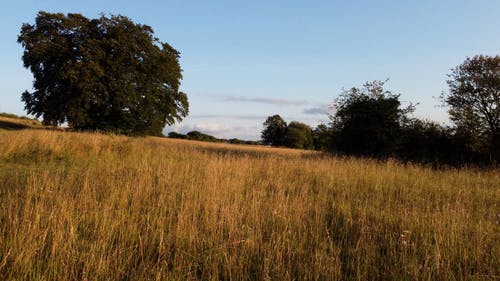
(13, 122)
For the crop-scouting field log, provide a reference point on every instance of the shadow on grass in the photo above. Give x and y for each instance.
(6, 125)
(255, 154)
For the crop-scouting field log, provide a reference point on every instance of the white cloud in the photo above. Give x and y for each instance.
(222, 116)
(212, 128)
(218, 129)
(290, 102)
(319, 110)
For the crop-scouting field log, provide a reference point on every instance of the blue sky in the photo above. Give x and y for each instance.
(246, 60)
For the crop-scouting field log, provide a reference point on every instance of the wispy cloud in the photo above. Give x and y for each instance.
(218, 129)
(213, 128)
(319, 110)
(291, 102)
(227, 116)
(205, 127)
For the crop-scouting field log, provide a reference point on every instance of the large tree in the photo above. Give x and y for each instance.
(367, 120)
(101, 74)
(474, 100)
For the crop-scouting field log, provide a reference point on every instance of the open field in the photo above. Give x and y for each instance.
(81, 206)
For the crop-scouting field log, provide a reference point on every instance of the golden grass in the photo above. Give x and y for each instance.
(80, 206)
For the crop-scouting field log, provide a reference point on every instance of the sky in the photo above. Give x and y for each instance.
(243, 61)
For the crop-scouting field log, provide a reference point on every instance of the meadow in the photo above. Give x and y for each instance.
(88, 206)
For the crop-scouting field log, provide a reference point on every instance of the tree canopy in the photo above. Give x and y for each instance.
(367, 120)
(474, 100)
(106, 74)
(274, 131)
(322, 137)
(298, 135)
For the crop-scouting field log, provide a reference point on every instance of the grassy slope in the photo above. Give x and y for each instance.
(13, 122)
(77, 206)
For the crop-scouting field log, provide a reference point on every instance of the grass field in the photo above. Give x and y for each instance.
(82, 206)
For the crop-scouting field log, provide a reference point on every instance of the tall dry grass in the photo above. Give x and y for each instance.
(77, 206)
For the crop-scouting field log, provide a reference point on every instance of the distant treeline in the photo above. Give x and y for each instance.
(418, 141)
(369, 121)
(199, 136)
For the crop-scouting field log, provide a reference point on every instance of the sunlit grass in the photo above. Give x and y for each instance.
(81, 206)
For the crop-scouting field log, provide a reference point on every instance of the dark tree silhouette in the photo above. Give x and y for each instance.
(474, 100)
(322, 137)
(101, 74)
(367, 120)
(199, 136)
(274, 131)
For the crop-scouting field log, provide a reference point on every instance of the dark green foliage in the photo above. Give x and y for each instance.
(294, 135)
(193, 135)
(322, 137)
(274, 131)
(423, 141)
(367, 121)
(106, 74)
(298, 135)
(175, 135)
(370, 122)
(429, 142)
(238, 141)
(474, 100)
(199, 136)
(249, 142)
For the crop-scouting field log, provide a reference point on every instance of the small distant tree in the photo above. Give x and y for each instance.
(474, 101)
(199, 136)
(367, 120)
(298, 135)
(274, 131)
(175, 135)
(236, 141)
